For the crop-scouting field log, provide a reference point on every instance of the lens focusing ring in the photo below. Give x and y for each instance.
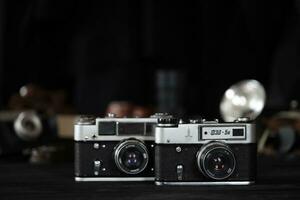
(206, 150)
(121, 149)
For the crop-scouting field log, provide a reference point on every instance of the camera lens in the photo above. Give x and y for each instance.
(28, 126)
(216, 160)
(131, 156)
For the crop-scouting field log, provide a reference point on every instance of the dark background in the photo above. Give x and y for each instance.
(100, 51)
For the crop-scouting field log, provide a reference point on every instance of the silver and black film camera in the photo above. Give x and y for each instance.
(115, 149)
(205, 152)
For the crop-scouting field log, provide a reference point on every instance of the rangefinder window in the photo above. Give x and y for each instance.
(150, 128)
(131, 128)
(107, 128)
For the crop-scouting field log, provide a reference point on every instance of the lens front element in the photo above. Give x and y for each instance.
(131, 156)
(216, 160)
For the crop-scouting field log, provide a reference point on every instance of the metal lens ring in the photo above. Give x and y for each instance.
(216, 161)
(28, 126)
(131, 156)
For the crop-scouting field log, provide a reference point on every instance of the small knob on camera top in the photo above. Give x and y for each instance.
(242, 119)
(195, 121)
(86, 120)
(111, 115)
(167, 121)
(158, 115)
(215, 121)
(181, 121)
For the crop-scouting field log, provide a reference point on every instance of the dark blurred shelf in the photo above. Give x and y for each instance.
(277, 179)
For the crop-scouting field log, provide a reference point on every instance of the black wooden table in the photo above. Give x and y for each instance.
(277, 179)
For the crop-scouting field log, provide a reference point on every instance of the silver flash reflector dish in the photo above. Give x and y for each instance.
(244, 99)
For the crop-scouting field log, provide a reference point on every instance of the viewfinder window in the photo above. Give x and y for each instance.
(238, 132)
(131, 128)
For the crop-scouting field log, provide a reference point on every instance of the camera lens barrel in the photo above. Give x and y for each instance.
(28, 126)
(131, 156)
(216, 160)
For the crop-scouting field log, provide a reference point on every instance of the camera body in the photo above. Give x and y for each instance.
(205, 152)
(115, 149)
(21, 130)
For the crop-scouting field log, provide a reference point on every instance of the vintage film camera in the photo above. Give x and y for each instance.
(115, 149)
(205, 152)
(26, 129)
